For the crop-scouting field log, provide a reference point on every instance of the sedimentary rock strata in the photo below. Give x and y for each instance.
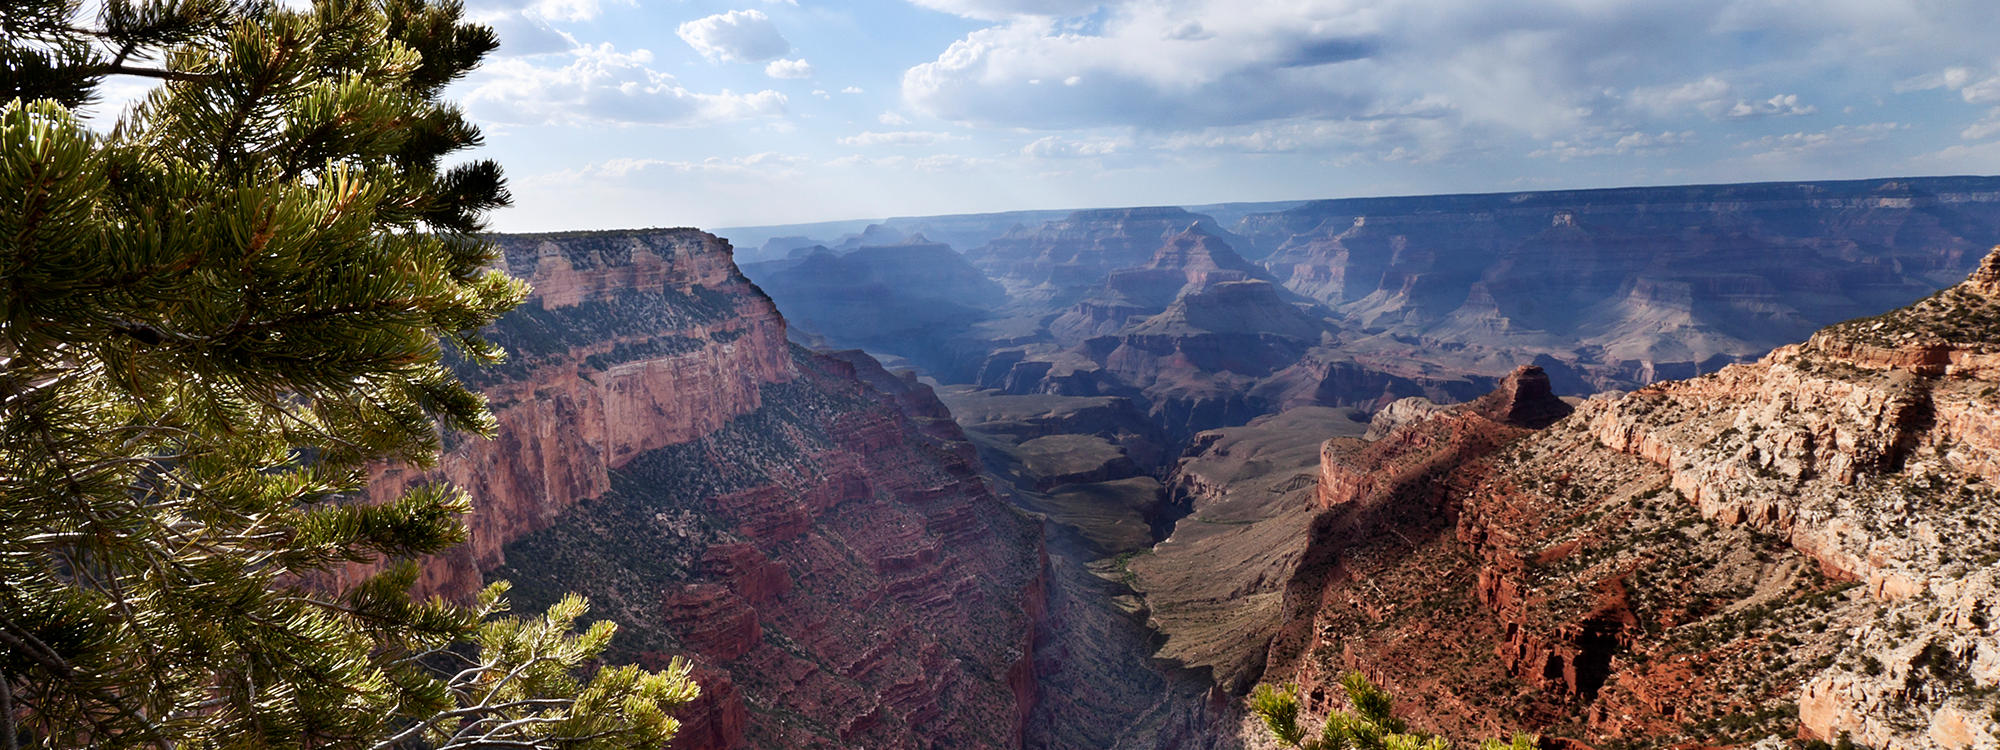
(809, 529)
(1440, 296)
(1799, 544)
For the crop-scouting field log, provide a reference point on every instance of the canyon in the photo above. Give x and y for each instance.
(1360, 302)
(1799, 544)
(1603, 465)
(808, 529)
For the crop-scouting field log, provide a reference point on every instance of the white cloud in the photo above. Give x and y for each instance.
(1986, 127)
(898, 138)
(1975, 86)
(1838, 140)
(789, 69)
(1782, 105)
(952, 163)
(564, 10)
(852, 90)
(1965, 158)
(1600, 144)
(1710, 96)
(1057, 147)
(1984, 90)
(737, 36)
(1133, 75)
(1539, 68)
(1716, 99)
(891, 118)
(995, 10)
(527, 27)
(603, 86)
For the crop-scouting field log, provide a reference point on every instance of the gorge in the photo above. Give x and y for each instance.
(1093, 479)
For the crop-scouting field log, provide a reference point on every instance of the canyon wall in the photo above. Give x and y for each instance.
(1371, 300)
(807, 528)
(1798, 545)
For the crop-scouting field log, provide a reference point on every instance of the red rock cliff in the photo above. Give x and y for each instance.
(1798, 546)
(565, 424)
(819, 546)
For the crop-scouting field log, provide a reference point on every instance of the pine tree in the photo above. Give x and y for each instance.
(1371, 725)
(213, 319)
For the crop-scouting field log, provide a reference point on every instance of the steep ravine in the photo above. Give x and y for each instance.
(820, 545)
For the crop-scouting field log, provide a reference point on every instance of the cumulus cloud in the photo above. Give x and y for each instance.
(603, 86)
(1716, 99)
(528, 27)
(1539, 68)
(994, 76)
(1975, 86)
(852, 90)
(1782, 105)
(1709, 95)
(746, 36)
(789, 69)
(891, 118)
(897, 138)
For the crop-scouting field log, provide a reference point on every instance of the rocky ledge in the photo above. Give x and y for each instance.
(1803, 544)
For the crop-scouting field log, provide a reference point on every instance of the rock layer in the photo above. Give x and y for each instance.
(1373, 300)
(809, 529)
(1799, 544)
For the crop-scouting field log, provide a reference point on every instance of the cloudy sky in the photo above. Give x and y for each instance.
(714, 113)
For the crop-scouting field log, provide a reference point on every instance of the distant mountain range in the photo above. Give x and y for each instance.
(1208, 316)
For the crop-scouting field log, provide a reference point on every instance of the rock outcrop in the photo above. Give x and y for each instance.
(1189, 263)
(1802, 544)
(809, 529)
(1524, 399)
(603, 364)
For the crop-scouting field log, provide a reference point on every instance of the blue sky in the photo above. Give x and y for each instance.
(637, 113)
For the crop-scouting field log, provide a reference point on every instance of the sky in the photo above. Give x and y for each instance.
(718, 113)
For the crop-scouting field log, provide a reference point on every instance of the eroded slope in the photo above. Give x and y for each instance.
(1800, 543)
